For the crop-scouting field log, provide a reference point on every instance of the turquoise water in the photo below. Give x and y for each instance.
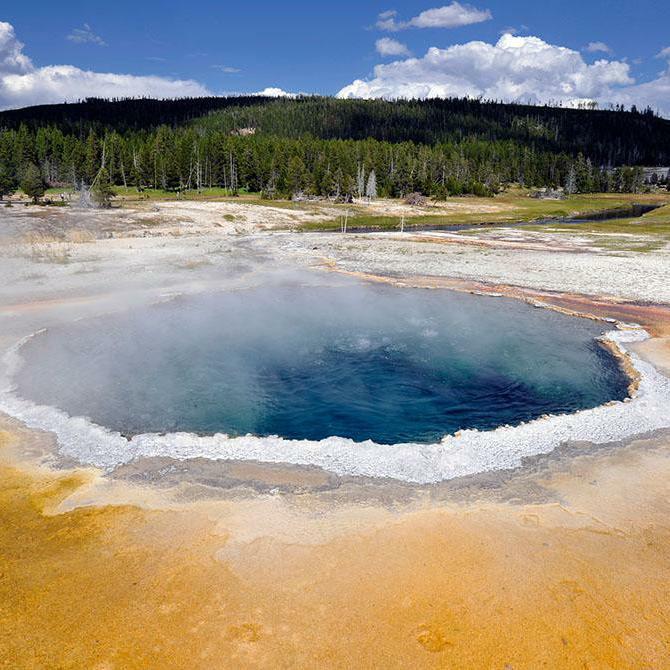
(358, 361)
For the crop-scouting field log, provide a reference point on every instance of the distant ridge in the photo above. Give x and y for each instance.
(608, 137)
(121, 114)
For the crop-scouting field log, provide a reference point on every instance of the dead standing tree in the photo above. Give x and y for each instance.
(371, 188)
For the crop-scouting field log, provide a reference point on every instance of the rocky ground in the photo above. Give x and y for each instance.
(561, 563)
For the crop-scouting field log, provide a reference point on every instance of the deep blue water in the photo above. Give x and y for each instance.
(359, 361)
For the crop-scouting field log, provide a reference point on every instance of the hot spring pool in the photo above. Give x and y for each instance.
(365, 362)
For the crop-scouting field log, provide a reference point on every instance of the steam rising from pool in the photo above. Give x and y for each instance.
(359, 379)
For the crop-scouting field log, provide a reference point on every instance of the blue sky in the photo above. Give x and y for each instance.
(323, 47)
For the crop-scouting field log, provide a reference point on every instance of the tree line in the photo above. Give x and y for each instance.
(608, 137)
(326, 147)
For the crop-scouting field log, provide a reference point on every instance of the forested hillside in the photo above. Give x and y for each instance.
(332, 147)
(606, 137)
(121, 115)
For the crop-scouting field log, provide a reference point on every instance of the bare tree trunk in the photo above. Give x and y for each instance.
(233, 175)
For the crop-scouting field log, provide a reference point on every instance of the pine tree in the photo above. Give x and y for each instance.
(349, 188)
(101, 189)
(32, 183)
(637, 179)
(7, 183)
(296, 179)
(583, 175)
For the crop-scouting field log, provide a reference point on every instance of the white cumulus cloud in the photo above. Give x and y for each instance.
(595, 47)
(514, 30)
(664, 53)
(514, 68)
(12, 58)
(448, 16)
(655, 94)
(387, 21)
(273, 92)
(526, 69)
(23, 84)
(85, 35)
(387, 46)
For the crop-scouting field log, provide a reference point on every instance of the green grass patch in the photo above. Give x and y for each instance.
(656, 222)
(644, 234)
(519, 208)
(130, 193)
